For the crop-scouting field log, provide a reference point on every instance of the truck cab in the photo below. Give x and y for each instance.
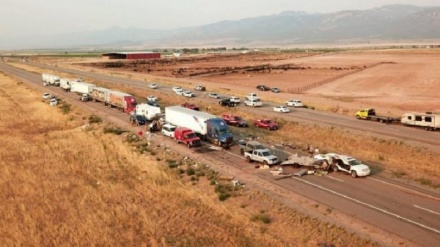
(187, 136)
(365, 113)
(218, 131)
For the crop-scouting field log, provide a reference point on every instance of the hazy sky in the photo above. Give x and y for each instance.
(29, 17)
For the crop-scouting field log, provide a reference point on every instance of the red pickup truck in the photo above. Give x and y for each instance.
(234, 120)
(266, 124)
(187, 136)
(191, 106)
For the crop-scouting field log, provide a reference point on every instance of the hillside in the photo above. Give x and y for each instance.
(391, 23)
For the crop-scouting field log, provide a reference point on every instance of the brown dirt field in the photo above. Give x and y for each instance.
(64, 182)
(390, 80)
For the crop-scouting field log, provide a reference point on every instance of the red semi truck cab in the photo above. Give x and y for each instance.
(130, 104)
(187, 136)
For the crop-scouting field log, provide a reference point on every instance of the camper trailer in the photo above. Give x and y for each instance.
(427, 120)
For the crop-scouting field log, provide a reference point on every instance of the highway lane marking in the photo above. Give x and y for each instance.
(369, 205)
(337, 179)
(403, 188)
(434, 212)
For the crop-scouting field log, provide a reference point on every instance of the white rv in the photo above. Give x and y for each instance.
(428, 120)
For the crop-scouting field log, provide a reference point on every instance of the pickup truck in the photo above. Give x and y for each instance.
(345, 164)
(250, 146)
(266, 124)
(253, 102)
(187, 136)
(370, 114)
(262, 156)
(235, 120)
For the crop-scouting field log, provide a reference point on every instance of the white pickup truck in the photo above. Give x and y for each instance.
(346, 164)
(262, 156)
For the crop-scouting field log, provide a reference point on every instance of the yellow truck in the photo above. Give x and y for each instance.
(370, 114)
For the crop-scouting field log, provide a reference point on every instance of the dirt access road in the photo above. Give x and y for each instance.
(407, 215)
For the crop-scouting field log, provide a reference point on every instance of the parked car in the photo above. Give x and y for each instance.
(168, 130)
(53, 102)
(235, 99)
(235, 120)
(191, 106)
(151, 98)
(178, 90)
(252, 96)
(226, 102)
(138, 120)
(263, 88)
(345, 164)
(294, 103)
(199, 88)
(188, 94)
(153, 85)
(275, 90)
(46, 96)
(214, 95)
(281, 108)
(266, 124)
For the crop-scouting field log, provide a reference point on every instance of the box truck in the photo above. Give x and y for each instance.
(207, 126)
(65, 83)
(148, 111)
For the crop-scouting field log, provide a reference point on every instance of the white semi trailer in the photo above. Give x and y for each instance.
(208, 126)
(49, 79)
(81, 87)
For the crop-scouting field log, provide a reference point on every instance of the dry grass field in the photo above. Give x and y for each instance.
(67, 183)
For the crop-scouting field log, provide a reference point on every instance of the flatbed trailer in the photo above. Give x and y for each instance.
(370, 114)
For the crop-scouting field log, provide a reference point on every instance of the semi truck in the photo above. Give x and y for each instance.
(49, 79)
(81, 87)
(65, 83)
(207, 126)
(123, 101)
(148, 111)
(100, 94)
(370, 114)
(428, 120)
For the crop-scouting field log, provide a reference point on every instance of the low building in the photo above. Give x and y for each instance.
(132, 55)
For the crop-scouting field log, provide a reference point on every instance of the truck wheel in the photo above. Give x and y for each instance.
(241, 151)
(265, 163)
(335, 168)
(189, 145)
(354, 174)
(296, 165)
(248, 159)
(358, 117)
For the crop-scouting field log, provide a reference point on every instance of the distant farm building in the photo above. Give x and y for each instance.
(131, 55)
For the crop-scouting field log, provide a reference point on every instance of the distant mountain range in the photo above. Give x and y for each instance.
(391, 23)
